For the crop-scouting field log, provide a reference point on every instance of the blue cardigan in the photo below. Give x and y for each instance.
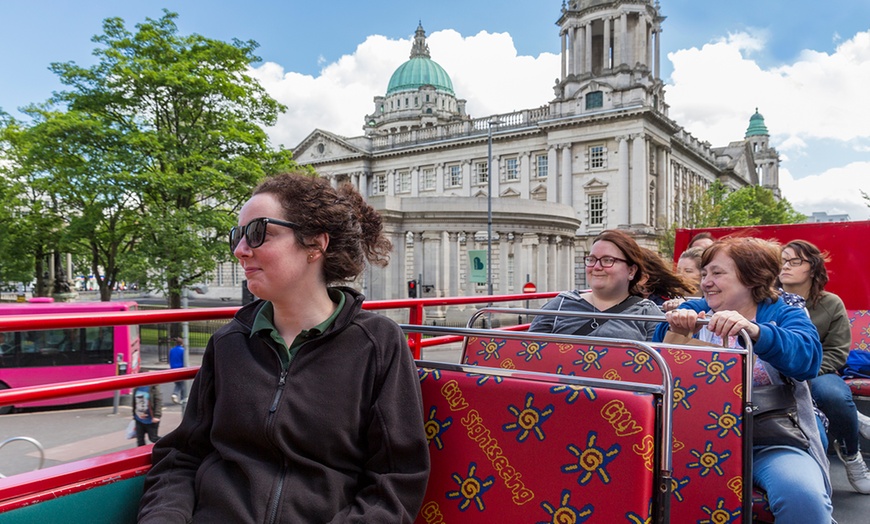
(788, 340)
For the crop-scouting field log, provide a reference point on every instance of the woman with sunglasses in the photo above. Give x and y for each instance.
(803, 273)
(306, 408)
(615, 269)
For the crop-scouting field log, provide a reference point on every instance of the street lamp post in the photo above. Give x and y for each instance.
(493, 122)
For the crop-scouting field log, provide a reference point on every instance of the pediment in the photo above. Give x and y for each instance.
(510, 193)
(595, 184)
(323, 146)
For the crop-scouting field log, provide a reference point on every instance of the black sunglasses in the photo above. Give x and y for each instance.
(254, 232)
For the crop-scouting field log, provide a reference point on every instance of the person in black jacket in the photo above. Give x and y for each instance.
(306, 408)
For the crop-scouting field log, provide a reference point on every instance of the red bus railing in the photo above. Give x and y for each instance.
(75, 320)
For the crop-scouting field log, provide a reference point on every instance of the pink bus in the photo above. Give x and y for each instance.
(32, 358)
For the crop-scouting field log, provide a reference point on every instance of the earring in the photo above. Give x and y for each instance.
(310, 257)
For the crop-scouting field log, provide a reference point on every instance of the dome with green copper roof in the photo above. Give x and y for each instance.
(420, 70)
(756, 125)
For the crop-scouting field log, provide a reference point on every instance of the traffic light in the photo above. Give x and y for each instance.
(412, 289)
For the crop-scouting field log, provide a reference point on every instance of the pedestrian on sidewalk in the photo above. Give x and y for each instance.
(147, 410)
(176, 360)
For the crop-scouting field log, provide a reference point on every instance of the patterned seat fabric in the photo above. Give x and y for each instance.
(707, 422)
(510, 449)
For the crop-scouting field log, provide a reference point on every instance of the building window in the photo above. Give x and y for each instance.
(379, 184)
(594, 100)
(481, 173)
(541, 166)
(454, 175)
(427, 179)
(403, 182)
(597, 157)
(511, 169)
(595, 204)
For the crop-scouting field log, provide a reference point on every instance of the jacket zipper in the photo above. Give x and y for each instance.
(279, 392)
(273, 509)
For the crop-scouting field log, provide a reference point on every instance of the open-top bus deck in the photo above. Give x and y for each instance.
(618, 411)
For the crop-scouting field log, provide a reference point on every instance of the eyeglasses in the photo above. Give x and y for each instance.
(792, 262)
(590, 261)
(255, 232)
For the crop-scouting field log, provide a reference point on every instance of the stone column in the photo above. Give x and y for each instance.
(552, 175)
(364, 184)
(542, 264)
(566, 172)
(624, 51)
(529, 257)
(566, 256)
(414, 173)
(439, 179)
(587, 55)
(452, 267)
(525, 160)
(641, 41)
(552, 264)
(605, 46)
(564, 37)
(658, 52)
(503, 285)
(623, 188)
(495, 173)
(639, 181)
(419, 256)
(391, 182)
(466, 178)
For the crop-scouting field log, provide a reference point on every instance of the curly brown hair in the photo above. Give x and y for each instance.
(354, 228)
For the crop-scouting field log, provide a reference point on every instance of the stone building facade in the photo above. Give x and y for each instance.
(601, 153)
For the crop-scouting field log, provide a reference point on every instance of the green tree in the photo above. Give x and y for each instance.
(753, 206)
(747, 206)
(159, 144)
(32, 224)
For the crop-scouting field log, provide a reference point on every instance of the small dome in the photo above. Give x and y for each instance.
(756, 125)
(420, 70)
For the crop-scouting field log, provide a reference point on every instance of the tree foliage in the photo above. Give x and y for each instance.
(152, 152)
(748, 206)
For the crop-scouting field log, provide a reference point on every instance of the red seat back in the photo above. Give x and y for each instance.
(536, 448)
(707, 421)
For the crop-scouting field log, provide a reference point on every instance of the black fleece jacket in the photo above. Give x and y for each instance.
(338, 437)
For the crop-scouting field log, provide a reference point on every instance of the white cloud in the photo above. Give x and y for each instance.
(485, 70)
(837, 190)
(716, 88)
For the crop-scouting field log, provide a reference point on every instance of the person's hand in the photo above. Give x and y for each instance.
(683, 321)
(155, 419)
(729, 323)
(672, 304)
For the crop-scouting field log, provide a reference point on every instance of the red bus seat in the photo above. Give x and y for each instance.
(707, 421)
(530, 447)
(859, 320)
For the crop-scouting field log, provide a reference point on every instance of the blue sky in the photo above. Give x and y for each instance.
(321, 59)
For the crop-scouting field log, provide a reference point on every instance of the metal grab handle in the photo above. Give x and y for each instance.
(32, 441)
